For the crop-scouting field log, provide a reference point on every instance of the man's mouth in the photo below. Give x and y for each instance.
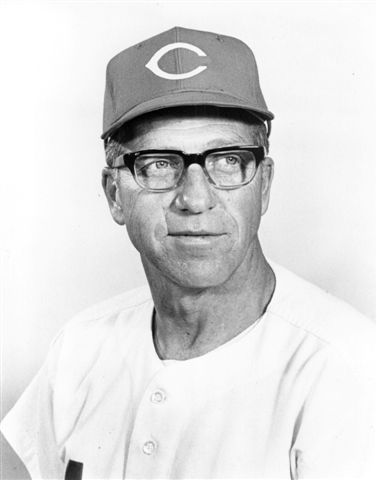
(198, 241)
(195, 233)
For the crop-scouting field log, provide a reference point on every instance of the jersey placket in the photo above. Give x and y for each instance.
(159, 421)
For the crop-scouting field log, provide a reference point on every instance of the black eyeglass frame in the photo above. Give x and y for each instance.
(127, 160)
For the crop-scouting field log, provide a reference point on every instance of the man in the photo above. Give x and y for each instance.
(226, 367)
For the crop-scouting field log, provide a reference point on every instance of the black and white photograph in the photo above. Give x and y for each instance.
(188, 240)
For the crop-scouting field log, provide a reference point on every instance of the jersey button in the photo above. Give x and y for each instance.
(149, 447)
(158, 396)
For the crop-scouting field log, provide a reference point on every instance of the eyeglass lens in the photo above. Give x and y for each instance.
(162, 171)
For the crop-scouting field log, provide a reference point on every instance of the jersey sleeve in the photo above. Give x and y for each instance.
(335, 435)
(29, 425)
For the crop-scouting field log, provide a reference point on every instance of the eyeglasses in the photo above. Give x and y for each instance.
(162, 170)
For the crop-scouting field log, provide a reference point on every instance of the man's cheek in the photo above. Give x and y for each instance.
(146, 228)
(131, 206)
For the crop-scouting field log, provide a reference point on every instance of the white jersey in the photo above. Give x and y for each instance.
(290, 397)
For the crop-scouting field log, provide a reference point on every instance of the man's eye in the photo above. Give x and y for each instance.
(157, 167)
(162, 164)
(232, 160)
(228, 161)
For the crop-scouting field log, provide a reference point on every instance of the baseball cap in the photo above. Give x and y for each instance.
(181, 67)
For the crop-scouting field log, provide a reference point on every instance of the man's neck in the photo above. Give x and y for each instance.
(191, 322)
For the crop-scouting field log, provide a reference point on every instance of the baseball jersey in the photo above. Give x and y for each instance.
(289, 397)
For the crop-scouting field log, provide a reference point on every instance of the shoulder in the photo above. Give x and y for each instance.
(304, 307)
(120, 303)
(105, 329)
(106, 314)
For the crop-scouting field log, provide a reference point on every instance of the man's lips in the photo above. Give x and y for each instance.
(195, 233)
(198, 241)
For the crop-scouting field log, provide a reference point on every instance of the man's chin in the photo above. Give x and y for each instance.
(192, 273)
(200, 276)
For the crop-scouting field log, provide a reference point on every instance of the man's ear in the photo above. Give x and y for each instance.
(111, 189)
(267, 176)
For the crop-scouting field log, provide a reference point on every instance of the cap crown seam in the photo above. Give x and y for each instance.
(178, 57)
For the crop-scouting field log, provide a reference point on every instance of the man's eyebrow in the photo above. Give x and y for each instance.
(210, 146)
(214, 143)
(234, 140)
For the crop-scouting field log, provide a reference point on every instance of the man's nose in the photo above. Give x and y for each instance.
(195, 193)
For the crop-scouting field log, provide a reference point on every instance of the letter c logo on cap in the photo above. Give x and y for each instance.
(153, 66)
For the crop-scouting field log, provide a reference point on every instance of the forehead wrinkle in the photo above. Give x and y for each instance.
(218, 142)
(180, 125)
(143, 130)
(171, 138)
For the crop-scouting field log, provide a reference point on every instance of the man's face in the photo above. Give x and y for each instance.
(195, 235)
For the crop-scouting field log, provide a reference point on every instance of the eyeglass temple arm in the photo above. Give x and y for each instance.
(120, 161)
(269, 128)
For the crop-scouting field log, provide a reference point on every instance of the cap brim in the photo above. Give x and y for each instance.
(185, 98)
